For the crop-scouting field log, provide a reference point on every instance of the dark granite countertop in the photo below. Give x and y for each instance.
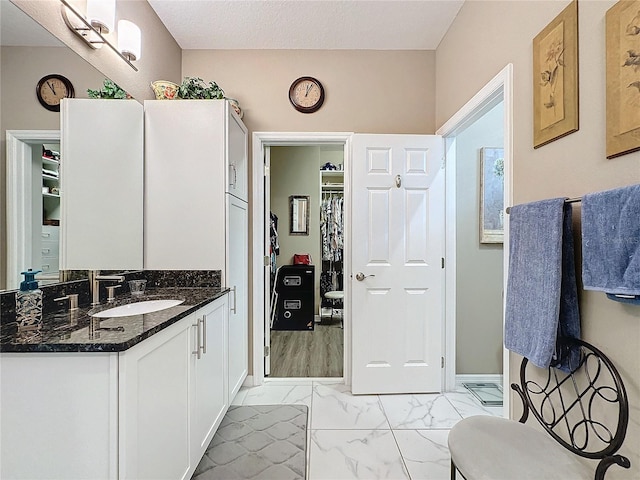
(79, 332)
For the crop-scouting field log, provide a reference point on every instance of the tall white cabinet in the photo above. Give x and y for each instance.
(196, 211)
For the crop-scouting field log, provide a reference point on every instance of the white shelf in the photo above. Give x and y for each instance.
(50, 161)
(51, 195)
(50, 177)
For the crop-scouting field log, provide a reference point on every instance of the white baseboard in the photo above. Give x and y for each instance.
(248, 381)
(479, 378)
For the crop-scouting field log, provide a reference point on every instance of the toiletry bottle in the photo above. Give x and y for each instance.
(29, 303)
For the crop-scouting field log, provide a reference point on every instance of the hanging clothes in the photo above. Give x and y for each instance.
(274, 244)
(332, 227)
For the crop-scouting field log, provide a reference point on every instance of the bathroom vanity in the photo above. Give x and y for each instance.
(128, 397)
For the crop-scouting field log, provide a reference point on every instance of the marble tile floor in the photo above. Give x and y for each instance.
(371, 436)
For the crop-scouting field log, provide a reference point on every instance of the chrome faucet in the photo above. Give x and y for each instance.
(95, 278)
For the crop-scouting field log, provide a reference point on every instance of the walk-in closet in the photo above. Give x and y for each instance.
(307, 252)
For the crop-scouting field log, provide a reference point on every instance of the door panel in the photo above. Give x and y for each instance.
(398, 243)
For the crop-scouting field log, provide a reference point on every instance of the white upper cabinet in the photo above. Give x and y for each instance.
(101, 177)
(188, 147)
(237, 171)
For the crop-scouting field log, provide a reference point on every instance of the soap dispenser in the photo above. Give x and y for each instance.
(29, 302)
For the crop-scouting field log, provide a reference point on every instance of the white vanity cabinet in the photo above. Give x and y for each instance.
(154, 405)
(148, 412)
(196, 211)
(209, 380)
(173, 395)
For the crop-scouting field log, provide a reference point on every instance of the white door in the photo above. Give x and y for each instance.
(397, 256)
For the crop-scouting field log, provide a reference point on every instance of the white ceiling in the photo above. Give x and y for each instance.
(308, 24)
(278, 24)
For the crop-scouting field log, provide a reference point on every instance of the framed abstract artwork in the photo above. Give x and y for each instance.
(491, 195)
(555, 78)
(623, 78)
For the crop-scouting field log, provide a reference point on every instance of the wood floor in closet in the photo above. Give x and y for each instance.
(302, 353)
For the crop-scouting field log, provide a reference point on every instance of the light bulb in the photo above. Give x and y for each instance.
(129, 40)
(102, 15)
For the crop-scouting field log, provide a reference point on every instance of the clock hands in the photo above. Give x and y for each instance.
(51, 87)
(309, 87)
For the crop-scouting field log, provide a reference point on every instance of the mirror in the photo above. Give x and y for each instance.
(29, 53)
(299, 215)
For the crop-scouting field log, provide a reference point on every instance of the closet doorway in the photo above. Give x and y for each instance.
(304, 193)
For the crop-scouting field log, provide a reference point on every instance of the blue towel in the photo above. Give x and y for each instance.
(542, 297)
(611, 243)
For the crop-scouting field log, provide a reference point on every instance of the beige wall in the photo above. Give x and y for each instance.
(366, 91)
(571, 166)
(20, 70)
(478, 266)
(160, 57)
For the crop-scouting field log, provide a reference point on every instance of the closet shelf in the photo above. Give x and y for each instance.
(333, 185)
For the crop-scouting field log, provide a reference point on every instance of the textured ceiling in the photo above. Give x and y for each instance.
(307, 24)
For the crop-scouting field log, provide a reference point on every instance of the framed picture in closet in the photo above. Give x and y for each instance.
(299, 215)
(555, 78)
(491, 195)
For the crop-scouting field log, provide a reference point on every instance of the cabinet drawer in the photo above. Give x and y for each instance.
(50, 232)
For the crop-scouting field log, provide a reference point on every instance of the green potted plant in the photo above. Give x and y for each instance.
(196, 88)
(109, 90)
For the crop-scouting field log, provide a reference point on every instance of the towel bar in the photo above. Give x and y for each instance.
(568, 200)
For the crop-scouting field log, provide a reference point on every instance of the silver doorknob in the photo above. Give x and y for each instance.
(361, 276)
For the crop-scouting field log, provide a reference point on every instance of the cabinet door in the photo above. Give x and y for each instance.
(102, 183)
(238, 174)
(237, 280)
(154, 406)
(209, 388)
(184, 185)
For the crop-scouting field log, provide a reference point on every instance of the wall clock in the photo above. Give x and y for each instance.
(306, 94)
(53, 88)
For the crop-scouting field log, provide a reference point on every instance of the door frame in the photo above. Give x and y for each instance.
(498, 88)
(19, 195)
(259, 302)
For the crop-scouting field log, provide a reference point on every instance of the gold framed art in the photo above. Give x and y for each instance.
(555, 78)
(623, 78)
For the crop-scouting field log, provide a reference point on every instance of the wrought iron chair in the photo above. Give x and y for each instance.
(586, 412)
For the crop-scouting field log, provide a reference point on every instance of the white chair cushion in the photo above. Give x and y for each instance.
(494, 448)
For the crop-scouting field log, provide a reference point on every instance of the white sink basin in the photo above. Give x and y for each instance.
(137, 308)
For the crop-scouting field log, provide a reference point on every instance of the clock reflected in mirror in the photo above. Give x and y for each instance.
(51, 89)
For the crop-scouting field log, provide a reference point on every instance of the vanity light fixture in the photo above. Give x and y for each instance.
(129, 40)
(99, 24)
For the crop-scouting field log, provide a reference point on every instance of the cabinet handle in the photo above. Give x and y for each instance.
(234, 308)
(199, 339)
(204, 334)
(233, 175)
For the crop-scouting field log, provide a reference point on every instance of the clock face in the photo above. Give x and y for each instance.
(306, 94)
(53, 88)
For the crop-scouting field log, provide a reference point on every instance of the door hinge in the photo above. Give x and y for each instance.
(442, 262)
(267, 260)
(441, 362)
(444, 163)
(266, 170)
(267, 350)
